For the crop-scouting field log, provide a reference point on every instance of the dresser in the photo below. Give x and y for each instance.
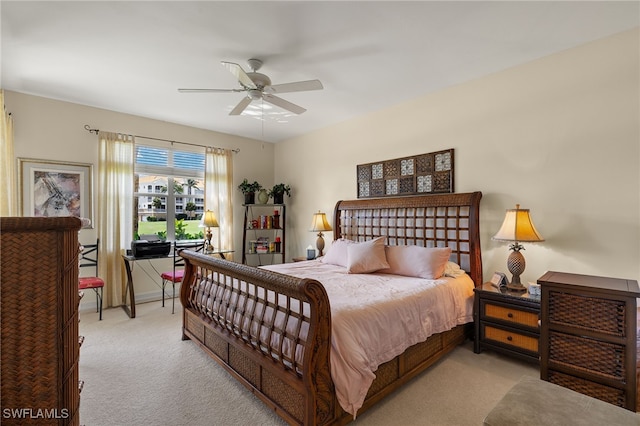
(588, 337)
(507, 322)
(39, 320)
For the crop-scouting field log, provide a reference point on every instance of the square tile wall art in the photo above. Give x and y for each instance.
(430, 173)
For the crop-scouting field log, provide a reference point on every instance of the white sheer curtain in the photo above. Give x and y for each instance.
(218, 179)
(115, 210)
(8, 195)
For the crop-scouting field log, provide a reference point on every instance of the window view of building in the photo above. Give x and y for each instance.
(169, 197)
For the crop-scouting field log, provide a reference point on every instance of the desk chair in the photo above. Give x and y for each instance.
(89, 258)
(177, 274)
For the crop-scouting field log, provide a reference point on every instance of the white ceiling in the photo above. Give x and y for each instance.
(132, 56)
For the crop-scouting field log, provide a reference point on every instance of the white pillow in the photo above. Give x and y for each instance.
(367, 256)
(416, 261)
(337, 253)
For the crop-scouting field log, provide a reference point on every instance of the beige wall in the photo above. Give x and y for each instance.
(54, 130)
(559, 136)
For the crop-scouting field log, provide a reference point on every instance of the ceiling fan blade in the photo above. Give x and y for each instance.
(239, 73)
(298, 86)
(209, 90)
(296, 109)
(244, 102)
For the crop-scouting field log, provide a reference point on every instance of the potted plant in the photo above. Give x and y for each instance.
(249, 190)
(278, 191)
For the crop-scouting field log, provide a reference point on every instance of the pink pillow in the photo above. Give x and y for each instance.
(367, 256)
(416, 261)
(337, 253)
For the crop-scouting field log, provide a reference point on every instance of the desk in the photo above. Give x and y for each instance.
(128, 259)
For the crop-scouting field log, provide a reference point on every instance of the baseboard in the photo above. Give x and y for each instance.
(89, 303)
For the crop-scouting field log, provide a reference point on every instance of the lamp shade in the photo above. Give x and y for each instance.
(320, 223)
(209, 220)
(518, 226)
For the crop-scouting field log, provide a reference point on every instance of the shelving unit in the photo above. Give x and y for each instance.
(263, 235)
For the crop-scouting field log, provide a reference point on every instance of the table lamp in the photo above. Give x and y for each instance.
(209, 220)
(517, 227)
(318, 225)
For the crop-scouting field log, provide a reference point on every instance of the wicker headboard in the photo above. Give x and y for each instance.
(439, 220)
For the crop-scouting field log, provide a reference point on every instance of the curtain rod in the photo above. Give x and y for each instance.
(90, 130)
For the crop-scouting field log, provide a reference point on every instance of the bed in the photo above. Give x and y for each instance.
(273, 331)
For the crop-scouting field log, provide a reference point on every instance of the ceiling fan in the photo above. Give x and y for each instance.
(258, 87)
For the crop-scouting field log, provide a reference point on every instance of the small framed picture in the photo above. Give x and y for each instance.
(499, 280)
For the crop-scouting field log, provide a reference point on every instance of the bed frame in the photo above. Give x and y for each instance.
(249, 319)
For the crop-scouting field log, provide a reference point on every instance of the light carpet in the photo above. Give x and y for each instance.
(138, 372)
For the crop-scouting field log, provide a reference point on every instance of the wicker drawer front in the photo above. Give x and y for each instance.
(588, 355)
(516, 316)
(595, 314)
(512, 339)
(194, 326)
(596, 390)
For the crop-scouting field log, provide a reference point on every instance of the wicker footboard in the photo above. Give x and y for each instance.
(249, 320)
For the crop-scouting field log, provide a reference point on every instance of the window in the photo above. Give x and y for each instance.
(169, 197)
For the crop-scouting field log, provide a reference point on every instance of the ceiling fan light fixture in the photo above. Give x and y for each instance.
(255, 94)
(258, 87)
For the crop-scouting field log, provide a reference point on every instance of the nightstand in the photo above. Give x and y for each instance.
(507, 322)
(300, 259)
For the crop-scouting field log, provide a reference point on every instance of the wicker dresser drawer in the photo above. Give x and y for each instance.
(588, 338)
(591, 356)
(507, 322)
(595, 314)
(604, 393)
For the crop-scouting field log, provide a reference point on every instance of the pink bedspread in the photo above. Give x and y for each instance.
(375, 317)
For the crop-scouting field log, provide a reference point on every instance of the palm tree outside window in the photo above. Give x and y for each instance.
(174, 182)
